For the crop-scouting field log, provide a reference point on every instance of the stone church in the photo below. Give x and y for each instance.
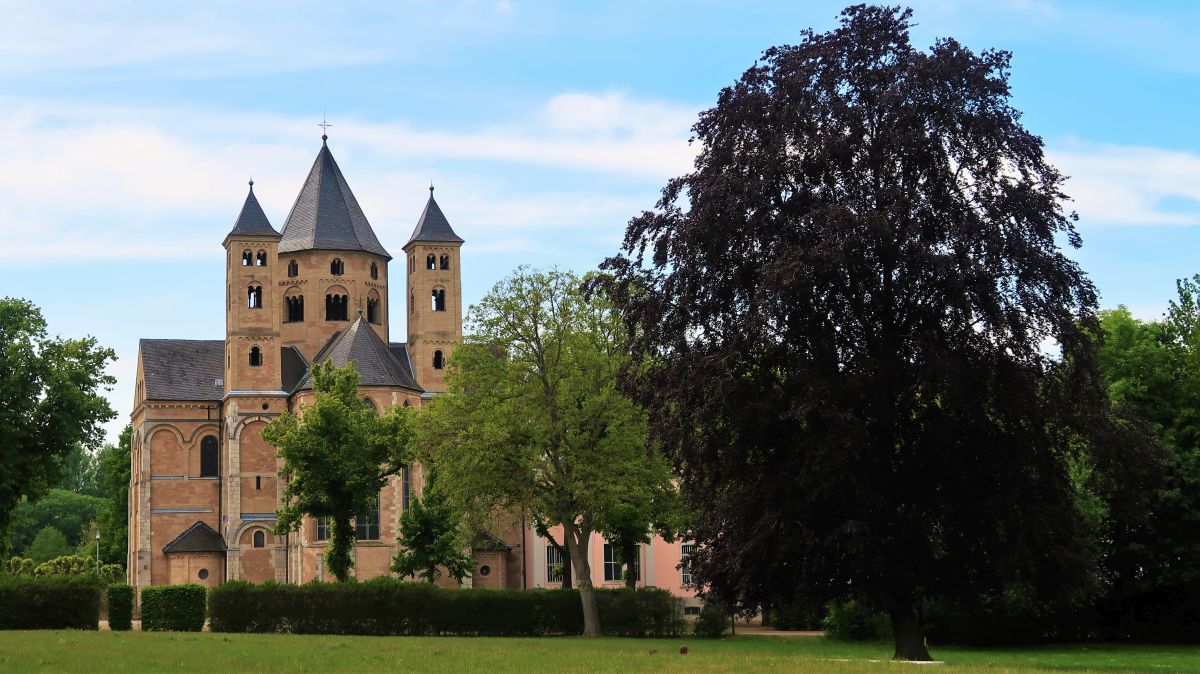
(205, 485)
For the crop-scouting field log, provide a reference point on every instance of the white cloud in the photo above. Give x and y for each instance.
(1130, 185)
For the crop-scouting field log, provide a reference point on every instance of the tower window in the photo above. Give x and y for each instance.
(405, 483)
(444, 262)
(412, 263)
(438, 360)
(209, 462)
(336, 307)
(295, 308)
(255, 356)
(439, 300)
(260, 539)
(247, 258)
(293, 269)
(260, 260)
(366, 525)
(374, 270)
(254, 297)
(258, 483)
(431, 262)
(412, 303)
(336, 267)
(372, 310)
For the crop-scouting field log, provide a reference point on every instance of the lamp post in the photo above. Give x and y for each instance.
(97, 551)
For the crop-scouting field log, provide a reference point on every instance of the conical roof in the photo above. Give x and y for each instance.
(433, 225)
(376, 363)
(326, 215)
(252, 221)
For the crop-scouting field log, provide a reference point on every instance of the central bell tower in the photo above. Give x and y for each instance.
(433, 301)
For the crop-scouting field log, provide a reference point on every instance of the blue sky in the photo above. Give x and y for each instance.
(130, 129)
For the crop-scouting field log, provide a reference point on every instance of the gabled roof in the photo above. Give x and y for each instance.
(374, 360)
(400, 352)
(183, 369)
(292, 367)
(197, 538)
(252, 221)
(433, 225)
(326, 216)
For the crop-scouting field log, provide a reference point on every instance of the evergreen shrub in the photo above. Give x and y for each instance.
(851, 621)
(713, 620)
(388, 606)
(120, 607)
(173, 608)
(54, 602)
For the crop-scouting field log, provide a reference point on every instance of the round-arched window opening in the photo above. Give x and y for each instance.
(485, 570)
(266, 406)
(439, 360)
(203, 574)
(260, 539)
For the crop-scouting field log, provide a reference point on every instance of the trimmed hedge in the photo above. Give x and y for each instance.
(174, 608)
(43, 603)
(388, 606)
(120, 607)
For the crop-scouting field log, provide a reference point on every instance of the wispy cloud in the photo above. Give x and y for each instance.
(1130, 185)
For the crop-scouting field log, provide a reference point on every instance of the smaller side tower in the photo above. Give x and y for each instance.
(433, 300)
(252, 313)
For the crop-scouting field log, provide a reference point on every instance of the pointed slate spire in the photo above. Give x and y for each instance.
(433, 225)
(252, 221)
(326, 216)
(375, 361)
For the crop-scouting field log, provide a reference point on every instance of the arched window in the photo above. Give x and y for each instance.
(336, 267)
(336, 307)
(295, 308)
(247, 258)
(373, 310)
(254, 297)
(260, 539)
(293, 269)
(374, 270)
(412, 303)
(431, 262)
(406, 404)
(260, 260)
(255, 356)
(439, 300)
(209, 461)
(412, 263)
(444, 262)
(438, 360)
(370, 403)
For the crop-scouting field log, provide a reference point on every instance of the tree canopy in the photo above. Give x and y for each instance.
(843, 310)
(337, 455)
(432, 538)
(533, 421)
(51, 401)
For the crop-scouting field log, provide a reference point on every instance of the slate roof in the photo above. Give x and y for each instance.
(197, 538)
(375, 361)
(326, 215)
(400, 353)
(252, 221)
(183, 369)
(433, 225)
(292, 367)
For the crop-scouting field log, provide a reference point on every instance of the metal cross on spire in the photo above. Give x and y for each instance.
(324, 127)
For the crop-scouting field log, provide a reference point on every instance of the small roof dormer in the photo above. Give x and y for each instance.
(433, 226)
(252, 221)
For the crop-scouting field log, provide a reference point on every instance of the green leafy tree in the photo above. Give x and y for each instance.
(66, 511)
(337, 455)
(81, 472)
(533, 421)
(113, 514)
(432, 536)
(51, 400)
(842, 309)
(48, 544)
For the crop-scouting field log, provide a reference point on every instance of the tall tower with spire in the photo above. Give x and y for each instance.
(434, 298)
(251, 302)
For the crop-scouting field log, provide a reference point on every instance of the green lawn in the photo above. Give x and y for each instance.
(178, 653)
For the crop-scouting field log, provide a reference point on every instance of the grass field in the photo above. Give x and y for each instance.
(178, 653)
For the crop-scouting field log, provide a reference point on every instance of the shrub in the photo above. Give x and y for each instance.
(388, 606)
(49, 603)
(120, 607)
(21, 566)
(851, 621)
(177, 608)
(713, 620)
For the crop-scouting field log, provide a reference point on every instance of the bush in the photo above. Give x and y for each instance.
(49, 603)
(713, 620)
(176, 608)
(78, 565)
(851, 621)
(21, 566)
(388, 606)
(120, 607)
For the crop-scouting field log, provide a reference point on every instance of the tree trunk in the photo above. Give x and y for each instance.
(629, 550)
(341, 542)
(909, 634)
(577, 539)
(568, 572)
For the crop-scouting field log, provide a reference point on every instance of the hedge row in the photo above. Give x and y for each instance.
(120, 607)
(49, 602)
(177, 608)
(387, 606)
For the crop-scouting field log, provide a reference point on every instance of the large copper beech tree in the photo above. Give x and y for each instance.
(845, 307)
